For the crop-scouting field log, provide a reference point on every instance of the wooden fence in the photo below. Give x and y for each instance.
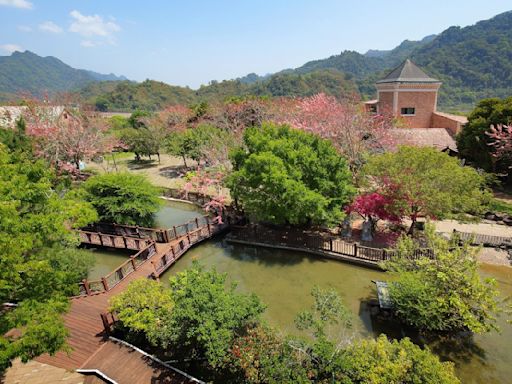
(484, 240)
(194, 197)
(317, 242)
(106, 283)
(189, 234)
(159, 235)
(113, 241)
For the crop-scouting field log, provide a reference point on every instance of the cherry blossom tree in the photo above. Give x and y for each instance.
(501, 142)
(208, 182)
(66, 136)
(354, 131)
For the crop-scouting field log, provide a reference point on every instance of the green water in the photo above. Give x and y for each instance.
(176, 213)
(172, 213)
(283, 280)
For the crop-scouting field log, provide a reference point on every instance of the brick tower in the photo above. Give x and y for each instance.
(409, 93)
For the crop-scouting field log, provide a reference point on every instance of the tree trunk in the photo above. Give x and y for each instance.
(410, 232)
(185, 161)
(158, 154)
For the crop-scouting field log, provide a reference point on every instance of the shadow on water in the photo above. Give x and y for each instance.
(264, 256)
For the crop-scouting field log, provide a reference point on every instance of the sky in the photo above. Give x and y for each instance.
(192, 42)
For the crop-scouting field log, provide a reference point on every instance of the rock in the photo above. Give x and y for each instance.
(507, 220)
(498, 216)
(490, 216)
(366, 233)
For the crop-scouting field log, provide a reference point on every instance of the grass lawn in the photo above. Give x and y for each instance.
(502, 206)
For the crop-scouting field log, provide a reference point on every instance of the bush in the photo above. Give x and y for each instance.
(123, 198)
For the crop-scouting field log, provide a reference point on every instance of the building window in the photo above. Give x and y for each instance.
(409, 111)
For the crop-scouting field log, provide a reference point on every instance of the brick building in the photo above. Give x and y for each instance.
(411, 95)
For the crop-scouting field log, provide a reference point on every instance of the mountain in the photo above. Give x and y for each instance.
(153, 95)
(473, 62)
(27, 72)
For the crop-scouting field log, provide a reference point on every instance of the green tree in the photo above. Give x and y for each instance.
(472, 141)
(143, 307)
(426, 182)
(123, 198)
(394, 362)
(284, 175)
(39, 265)
(445, 293)
(207, 315)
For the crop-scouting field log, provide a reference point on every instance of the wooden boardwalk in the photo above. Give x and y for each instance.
(86, 329)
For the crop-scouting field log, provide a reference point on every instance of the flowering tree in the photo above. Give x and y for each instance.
(501, 142)
(65, 136)
(353, 131)
(374, 206)
(209, 183)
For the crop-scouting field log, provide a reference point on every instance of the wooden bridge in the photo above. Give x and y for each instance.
(156, 253)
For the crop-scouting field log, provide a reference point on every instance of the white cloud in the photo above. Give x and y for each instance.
(93, 26)
(87, 43)
(50, 26)
(24, 4)
(24, 28)
(10, 48)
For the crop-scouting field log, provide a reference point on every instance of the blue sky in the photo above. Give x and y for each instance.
(192, 42)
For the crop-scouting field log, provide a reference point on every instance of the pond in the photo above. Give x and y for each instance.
(171, 213)
(283, 280)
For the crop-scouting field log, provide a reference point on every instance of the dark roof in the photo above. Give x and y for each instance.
(408, 72)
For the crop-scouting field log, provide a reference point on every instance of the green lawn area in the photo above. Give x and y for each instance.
(498, 205)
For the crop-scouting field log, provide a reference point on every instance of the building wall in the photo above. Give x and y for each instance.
(420, 96)
(424, 104)
(451, 123)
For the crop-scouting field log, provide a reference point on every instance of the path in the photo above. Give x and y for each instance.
(86, 330)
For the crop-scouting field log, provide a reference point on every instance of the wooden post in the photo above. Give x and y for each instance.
(155, 272)
(133, 263)
(175, 233)
(384, 255)
(125, 243)
(330, 245)
(197, 223)
(86, 286)
(105, 283)
(101, 239)
(209, 229)
(106, 325)
(355, 249)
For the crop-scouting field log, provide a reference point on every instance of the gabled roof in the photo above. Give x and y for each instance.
(407, 72)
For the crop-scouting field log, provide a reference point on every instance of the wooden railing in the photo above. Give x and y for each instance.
(323, 243)
(159, 235)
(106, 283)
(189, 234)
(485, 240)
(113, 241)
(193, 197)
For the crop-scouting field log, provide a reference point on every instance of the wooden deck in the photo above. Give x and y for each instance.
(136, 367)
(86, 330)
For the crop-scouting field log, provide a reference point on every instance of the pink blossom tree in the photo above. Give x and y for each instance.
(353, 130)
(67, 136)
(501, 142)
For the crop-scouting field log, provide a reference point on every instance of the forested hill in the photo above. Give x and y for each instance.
(473, 62)
(154, 95)
(28, 72)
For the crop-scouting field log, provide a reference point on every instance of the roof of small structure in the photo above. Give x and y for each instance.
(407, 72)
(438, 138)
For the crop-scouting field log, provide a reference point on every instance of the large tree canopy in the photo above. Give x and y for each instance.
(284, 175)
(445, 293)
(39, 264)
(426, 182)
(123, 198)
